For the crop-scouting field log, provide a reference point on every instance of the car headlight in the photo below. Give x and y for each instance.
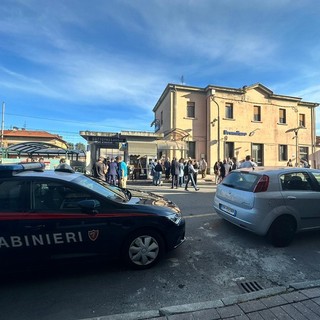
(175, 217)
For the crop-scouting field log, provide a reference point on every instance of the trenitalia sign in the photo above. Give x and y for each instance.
(234, 133)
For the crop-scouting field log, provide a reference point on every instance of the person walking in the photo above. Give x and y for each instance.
(153, 172)
(181, 172)
(196, 171)
(191, 172)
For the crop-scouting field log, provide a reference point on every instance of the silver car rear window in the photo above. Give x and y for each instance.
(241, 180)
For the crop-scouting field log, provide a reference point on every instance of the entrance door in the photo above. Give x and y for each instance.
(229, 150)
(257, 153)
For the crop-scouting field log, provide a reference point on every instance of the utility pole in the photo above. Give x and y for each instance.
(2, 128)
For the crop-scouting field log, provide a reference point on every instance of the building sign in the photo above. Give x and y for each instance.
(234, 133)
(106, 139)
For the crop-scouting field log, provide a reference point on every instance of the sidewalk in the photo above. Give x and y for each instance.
(298, 301)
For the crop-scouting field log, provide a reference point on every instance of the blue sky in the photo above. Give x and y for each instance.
(99, 65)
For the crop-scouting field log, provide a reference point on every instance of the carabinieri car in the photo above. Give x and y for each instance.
(46, 213)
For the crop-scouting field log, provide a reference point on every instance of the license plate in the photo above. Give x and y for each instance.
(228, 210)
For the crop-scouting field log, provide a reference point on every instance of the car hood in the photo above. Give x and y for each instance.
(148, 198)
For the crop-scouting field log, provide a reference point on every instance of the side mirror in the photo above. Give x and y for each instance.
(89, 206)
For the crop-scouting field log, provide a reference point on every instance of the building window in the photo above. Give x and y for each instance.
(161, 118)
(192, 149)
(303, 153)
(256, 113)
(282, 116)
(302, 120)
(229, 111)
(283, 152)
(190, 109)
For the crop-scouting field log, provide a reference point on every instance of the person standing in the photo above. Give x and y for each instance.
(235, 164)
(227, 166)
(248, 163)
(99, 169)
(222, 171)
(123, 173)
(175, 169)
(158, 173)
(203, 167)
(167, 168)
(113, 168)
(191, 172)
(216, 169)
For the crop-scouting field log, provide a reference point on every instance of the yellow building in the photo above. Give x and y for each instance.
(220, 122)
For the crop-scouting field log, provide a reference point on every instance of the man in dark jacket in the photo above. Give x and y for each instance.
(175, 169)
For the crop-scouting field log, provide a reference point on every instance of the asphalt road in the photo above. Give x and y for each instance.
(216, 261)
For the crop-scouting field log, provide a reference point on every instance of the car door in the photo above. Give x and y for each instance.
(303, 197)
(14, 205)
(66, 227)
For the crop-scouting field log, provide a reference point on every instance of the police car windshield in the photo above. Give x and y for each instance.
(100, 187)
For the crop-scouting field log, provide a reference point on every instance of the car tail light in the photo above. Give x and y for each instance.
(262, 184)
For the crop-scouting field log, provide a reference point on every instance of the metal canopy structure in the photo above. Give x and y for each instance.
(41, 148)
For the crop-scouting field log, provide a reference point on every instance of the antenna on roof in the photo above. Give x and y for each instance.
(182, 79)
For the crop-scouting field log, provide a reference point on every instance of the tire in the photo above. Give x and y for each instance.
(143, 249)
(282, 231)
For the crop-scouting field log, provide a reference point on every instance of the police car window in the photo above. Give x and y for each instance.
(101, 188)
(11, 196)
(51, 196)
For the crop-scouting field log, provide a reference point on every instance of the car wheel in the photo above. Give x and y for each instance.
(282, 231)
(143, 249)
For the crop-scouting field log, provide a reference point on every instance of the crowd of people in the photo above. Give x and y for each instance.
(113, 171)
(180, 172)
(222, 168)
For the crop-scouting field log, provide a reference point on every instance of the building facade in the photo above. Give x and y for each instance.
(220, 122)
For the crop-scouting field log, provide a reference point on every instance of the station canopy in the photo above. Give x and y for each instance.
(41, 149)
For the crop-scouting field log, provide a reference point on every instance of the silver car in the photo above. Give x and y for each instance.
(274, 203)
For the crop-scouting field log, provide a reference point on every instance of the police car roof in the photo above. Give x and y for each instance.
(34, 169)
(11, 169)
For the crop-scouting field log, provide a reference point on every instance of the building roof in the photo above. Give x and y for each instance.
(23, 133)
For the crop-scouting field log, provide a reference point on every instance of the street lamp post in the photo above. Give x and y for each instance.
(295, 130)
(218, 122)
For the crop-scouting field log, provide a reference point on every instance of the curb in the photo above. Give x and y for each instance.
(193, 307)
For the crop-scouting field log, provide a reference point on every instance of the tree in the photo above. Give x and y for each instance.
(80, 146)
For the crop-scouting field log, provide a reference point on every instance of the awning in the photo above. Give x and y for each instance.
(171, 145)
(142, 148)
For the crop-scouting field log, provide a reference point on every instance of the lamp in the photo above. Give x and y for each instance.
(295, 130)
(253, 132)
(212, 97)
